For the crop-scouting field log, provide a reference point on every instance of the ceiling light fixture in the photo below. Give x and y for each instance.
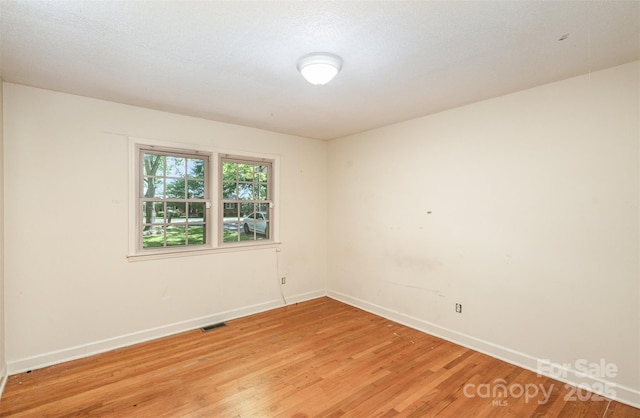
(319, 67)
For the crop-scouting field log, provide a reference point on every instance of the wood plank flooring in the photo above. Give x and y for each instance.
(319, 358)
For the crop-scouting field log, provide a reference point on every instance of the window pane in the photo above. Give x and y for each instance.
(263, 208)
(196, 189)
(153, 187)
(175, 188)
(230, 232)
(262, 195)
(245, 172)
(152, 213)
(245, 237)
(229, 190)
(262, 232)
(147, 213)
(262, 227)
(229, 171)
(248, 229)
(261, 173)
(153, 165)
(256, 192)
(196, 212)
(230, 210)
(247, 224)
(176, 166)
(255, 223)
(246, 209)
(153, 237)
(196, 235)
(195, 168)
(176, 235)
(176, 212)
(158, 213)
(245, 191)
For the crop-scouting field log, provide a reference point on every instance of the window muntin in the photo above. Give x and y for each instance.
(173, 196)
(246, 198)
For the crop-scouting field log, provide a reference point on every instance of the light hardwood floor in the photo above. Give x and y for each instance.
(319, 358)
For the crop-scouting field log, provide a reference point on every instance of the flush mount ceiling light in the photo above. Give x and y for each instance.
(319, 67)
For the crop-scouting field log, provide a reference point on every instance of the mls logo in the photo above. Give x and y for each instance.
(499, 402)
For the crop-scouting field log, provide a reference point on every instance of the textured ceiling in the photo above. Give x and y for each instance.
(235, 61)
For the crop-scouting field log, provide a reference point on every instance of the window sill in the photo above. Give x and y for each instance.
(164, 254)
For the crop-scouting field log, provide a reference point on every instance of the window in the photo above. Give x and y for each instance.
(246, 190)
(173, 186)
(173, 192)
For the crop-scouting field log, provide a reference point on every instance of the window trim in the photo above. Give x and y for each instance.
(213, 229)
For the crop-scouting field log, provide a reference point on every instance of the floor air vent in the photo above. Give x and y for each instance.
(212, 327)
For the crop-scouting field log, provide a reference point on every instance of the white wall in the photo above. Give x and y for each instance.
(523, 208)
(70, 290)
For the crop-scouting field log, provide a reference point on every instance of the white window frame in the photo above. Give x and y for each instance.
(214, 231)
(186, 200)
(269, 201)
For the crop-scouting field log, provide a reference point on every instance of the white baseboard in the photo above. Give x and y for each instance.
(305, 296)
(571, 376)
(74, 353)
(5, 376)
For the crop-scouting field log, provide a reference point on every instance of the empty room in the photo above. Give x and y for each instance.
(320, 208)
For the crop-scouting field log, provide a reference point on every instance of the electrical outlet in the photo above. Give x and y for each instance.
(459, 307)
(284, 280)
